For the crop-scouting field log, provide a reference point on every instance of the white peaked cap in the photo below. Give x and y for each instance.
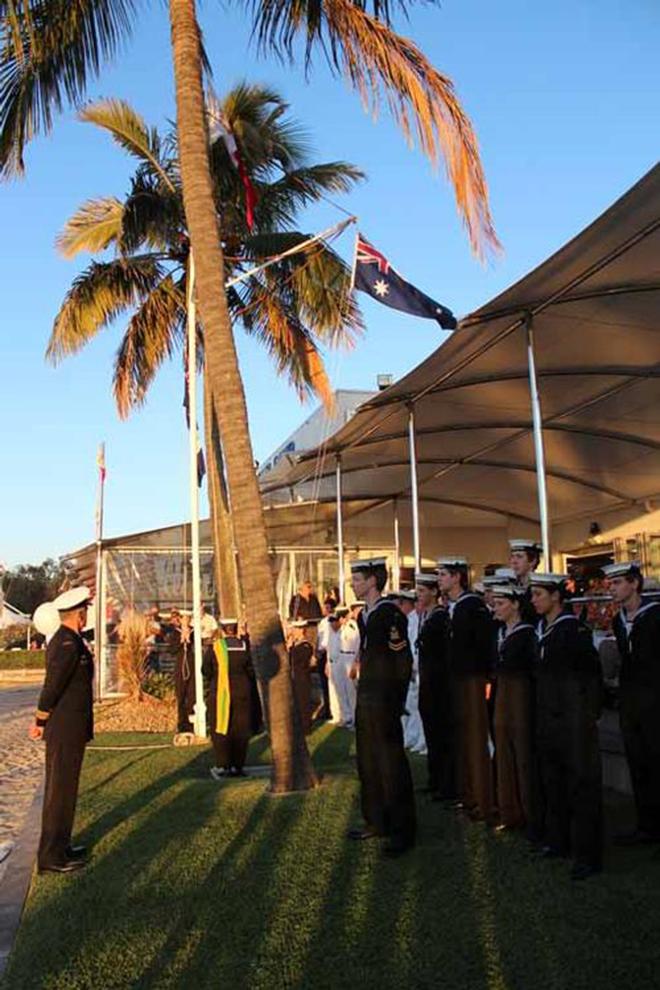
(73, 598)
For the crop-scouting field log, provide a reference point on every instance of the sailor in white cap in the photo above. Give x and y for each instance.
(435, 690)
(569, 683)
(514, 707)
(388, 801)
(471, 663)
(524, 558)
(301, 653)
(65, 720)
(637, 629)
(343, 649)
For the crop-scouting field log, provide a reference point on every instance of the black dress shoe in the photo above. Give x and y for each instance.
(635, 838)
(395, 849)
(76, 852)
(67, 867)
(549, 852)
(361, 834)
(582, 871)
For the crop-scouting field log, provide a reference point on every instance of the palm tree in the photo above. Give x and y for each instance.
(292, 307)
(49, 49)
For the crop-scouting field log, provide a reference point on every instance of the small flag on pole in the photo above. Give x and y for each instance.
(201, 464)
(223, 129)
(100, 462)
(373, 274)
(186, 388)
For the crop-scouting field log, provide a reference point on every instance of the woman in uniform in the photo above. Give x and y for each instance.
(516, 654)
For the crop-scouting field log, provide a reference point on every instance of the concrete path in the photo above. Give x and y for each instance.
(21, 774)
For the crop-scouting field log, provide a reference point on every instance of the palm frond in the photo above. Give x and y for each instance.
(49, 51)
(153, 217)
(378, 63)
(152, 335)
(315, 283)
(269, 318)
(93, 227)
(129, 130)
(302, 186)
(268, 137)
(98, 295)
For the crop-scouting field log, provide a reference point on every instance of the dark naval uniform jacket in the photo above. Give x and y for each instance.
(387, 798)
(639, 645)
(516, 650)
(65, 707)
(569, 694)
(471, 638)
(385, 657)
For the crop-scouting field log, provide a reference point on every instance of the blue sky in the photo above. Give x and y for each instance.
(564, 98)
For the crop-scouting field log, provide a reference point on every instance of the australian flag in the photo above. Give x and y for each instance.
(375, 276)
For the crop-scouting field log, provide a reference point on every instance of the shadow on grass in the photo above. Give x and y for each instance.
(199, 885)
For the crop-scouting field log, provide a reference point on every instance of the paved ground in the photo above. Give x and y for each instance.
(21, 765)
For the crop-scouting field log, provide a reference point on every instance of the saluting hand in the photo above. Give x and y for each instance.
(36, 732)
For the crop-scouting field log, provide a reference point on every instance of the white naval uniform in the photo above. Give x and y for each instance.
(413, 729)
(343, 649)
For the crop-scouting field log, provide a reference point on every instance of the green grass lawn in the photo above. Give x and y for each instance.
(195, 884)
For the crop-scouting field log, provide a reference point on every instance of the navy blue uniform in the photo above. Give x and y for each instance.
(471, 662)
(388, 804)
(513, 723)
(569, 687)
(639, 645)
(65, 710)
(436, 702)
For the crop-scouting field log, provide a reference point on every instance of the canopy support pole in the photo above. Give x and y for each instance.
(397, 549)
(412, 451)
(199, 718)
(340, 534)
(539, 453)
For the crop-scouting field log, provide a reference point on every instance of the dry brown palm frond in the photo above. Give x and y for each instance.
(381, 64)
(93, 227)
(152, 335)
(292, 346)
(132, 653)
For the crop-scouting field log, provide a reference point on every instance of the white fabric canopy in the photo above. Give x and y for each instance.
(595, 308)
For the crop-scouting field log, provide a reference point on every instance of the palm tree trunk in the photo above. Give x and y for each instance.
(292, 767)
(224, 559)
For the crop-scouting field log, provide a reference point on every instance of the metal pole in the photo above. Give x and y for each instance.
(200, 707)
(539, 454)
(413, 486)
(99, 616)
(340, 535)
(397, 549)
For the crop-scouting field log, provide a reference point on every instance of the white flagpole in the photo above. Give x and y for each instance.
(340, 536)
(397, 549)
(99, 618)
(354, 266)
(539, 453)
(200, 707)
(414, 494)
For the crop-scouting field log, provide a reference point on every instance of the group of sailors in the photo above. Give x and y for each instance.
(507, 685)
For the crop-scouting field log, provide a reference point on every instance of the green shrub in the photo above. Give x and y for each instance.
(12, 636)
(22, 659)
(159, 686)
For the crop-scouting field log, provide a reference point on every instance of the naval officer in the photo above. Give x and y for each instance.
(65, 721)
(388, 803)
